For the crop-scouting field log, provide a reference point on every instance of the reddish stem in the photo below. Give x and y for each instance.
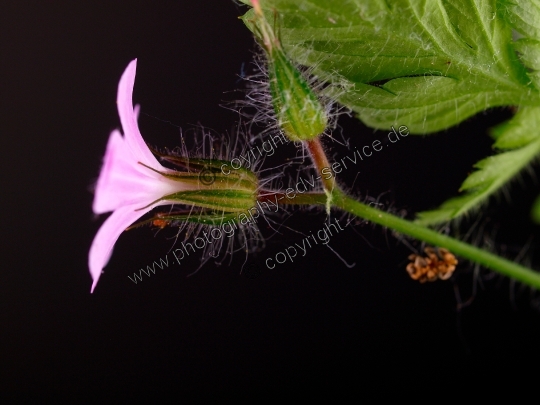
(321, 162)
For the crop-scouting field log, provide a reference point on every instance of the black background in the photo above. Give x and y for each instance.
(301, 325)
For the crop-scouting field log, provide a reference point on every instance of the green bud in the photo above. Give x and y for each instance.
(299, 112)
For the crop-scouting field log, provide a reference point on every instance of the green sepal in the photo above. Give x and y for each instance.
(214, 165)
(241, 179)
(218, 200)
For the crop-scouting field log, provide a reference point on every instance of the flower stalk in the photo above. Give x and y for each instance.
(345, 203)
(321, 162)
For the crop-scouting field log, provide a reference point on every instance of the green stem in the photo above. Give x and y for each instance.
(461, 249)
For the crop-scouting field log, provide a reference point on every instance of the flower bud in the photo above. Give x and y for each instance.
(299, 112)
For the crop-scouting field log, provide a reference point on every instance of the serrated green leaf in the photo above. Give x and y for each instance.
(529, 50)
(524, 17)
(520, 131)
(426, 64)
(521, 134)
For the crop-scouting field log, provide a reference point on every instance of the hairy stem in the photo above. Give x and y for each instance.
(321, 162)
(341, 201)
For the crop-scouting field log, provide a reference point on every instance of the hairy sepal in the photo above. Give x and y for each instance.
(219, 200)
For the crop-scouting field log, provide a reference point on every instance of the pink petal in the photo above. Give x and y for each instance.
(128, 117)
(104, 200)
(124, 185)
(123, 181)
(106, 237)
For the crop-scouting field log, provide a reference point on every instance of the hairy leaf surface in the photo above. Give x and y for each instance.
(427, 64)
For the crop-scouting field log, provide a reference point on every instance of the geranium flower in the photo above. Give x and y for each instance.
(126, 185)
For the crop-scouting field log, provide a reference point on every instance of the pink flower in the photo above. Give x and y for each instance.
(125, 186)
